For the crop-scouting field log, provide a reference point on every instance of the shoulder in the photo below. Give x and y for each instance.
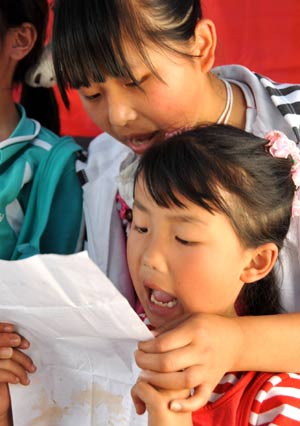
(236, 72)
(287, 91)
(48, 137)
(105, 157)
(277, 104)
(241, 73)
(277, 402)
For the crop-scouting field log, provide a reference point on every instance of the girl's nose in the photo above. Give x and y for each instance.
(120, 112)
(154, 257)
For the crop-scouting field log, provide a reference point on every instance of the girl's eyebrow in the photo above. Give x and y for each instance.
(174, 218)
(189, 219)
(140, 206)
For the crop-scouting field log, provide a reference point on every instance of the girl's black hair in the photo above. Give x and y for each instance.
(203, 163)
(89, 36)
(14, 13)
(40, 103)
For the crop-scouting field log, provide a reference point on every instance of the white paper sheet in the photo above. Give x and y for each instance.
(83, 334)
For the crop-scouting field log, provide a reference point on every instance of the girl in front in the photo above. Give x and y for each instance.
(143, 69)
(212, 207)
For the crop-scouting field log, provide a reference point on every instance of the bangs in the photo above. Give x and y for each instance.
(167, 183)
(91, 41)
(88, 42)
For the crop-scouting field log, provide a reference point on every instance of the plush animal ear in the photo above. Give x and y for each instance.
(261, 263)
(42, 74)
(23, 40)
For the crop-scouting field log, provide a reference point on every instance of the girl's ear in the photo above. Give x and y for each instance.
(261, 263)
(204, 43)
(23, 40)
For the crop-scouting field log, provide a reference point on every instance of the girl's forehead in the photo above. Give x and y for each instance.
(154, 60)
(152, 49)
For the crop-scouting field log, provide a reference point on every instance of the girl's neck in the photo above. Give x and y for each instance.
(239, 108)
(9, 115)
(237, 116)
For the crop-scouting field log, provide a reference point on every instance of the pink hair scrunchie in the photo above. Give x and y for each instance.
(280, 146)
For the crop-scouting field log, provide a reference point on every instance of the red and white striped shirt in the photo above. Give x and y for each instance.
(275, 402)
(250, 399)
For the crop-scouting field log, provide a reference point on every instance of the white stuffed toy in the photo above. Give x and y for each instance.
(38, 96)
(42, 74)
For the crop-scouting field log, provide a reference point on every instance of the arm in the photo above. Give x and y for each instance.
(269, 333)
(196, 351)
(13, 370)
(156, 402)
(5, 411)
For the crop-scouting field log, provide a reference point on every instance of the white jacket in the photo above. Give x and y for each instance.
(105, 235)
(276, 106)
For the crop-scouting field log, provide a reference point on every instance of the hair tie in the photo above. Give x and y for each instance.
(280, 146)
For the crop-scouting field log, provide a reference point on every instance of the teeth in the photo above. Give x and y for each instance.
(136, 142)
(169, 304)
(141, 141)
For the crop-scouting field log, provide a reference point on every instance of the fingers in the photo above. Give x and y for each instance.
(13, 340)
(24, 360)
(6, 353)
(138, 394)
(166, 340)
(188, 403)
(16, 368)
(167, 362)
(8, 377)
(187, 379)
(18, 357)
(199, 398)
(6, 327)
(146, 396)
(12, 372)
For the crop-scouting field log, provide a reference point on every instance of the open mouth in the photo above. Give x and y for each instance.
(141, 139)
(163, 299)
(140, 143)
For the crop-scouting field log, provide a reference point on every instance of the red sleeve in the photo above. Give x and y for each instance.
(278, 402)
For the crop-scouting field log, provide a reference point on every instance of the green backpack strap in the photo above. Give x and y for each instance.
(42, 193)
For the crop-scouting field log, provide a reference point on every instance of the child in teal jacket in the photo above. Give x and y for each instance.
(40, 193)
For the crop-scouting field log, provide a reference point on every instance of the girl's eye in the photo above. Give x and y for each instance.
(92, 97)
(137, 83)
(134, 84)
(140, 229)
(185, 242)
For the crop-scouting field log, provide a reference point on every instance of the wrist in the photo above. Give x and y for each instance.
(169, 418)
(238, 361)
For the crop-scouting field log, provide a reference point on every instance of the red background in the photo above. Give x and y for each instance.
(263, 35)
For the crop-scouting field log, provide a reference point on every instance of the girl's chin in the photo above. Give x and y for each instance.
(158, 321)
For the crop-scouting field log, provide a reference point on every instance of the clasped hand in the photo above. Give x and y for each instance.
(191, 352)
(14, 364)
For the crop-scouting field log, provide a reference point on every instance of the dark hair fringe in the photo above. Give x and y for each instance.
(14, 13)
(89, 37)
(40, 103)
(199, 162)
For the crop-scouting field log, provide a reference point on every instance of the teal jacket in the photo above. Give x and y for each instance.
(40, 193)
